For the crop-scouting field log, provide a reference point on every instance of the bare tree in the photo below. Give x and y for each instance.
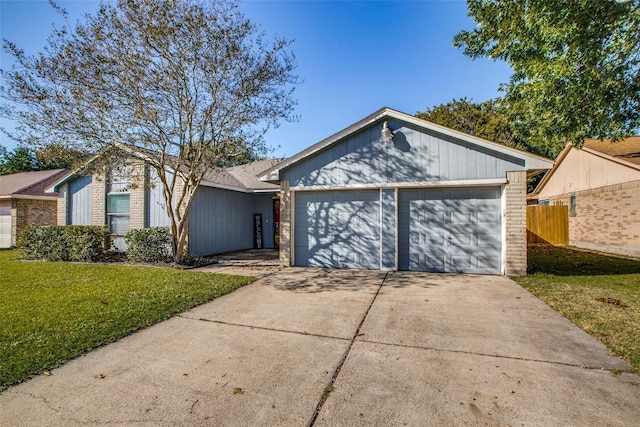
(194, 84)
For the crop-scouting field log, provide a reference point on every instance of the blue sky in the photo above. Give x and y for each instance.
(354, 57)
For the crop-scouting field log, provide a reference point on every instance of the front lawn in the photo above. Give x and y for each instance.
(599, 293)
(51, 312)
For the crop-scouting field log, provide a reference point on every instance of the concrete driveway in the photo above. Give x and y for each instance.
(342, 347)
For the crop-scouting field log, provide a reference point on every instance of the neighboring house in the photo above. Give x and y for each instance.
(394, 192)
(600, 185)
(222, 216)
(23, 201)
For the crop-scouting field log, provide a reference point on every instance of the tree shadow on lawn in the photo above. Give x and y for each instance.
(564, 261)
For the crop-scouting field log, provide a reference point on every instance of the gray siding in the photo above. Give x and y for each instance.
(156, 211)
(80, 191)
(415, 155)
(222, 221)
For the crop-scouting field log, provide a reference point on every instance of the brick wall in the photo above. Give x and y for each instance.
(516, 224)
(63, 204)
(137, 196)
(31, 212)
(98, 199)
(285, 223)
(606, 218)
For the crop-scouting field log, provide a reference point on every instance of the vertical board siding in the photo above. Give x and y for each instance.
(222, 221)
(548, 225)
(414, 155)
(156, 209)
(80, 191)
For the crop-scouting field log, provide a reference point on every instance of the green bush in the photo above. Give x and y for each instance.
(149, 244)
(64, 243)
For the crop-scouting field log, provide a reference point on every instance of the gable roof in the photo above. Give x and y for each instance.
(243, 177)
(626, 154)
(239, 178)
(533, 162)
(29, 184)
(628, 149)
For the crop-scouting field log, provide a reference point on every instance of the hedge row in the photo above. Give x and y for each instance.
(64, 243)
(90, 243)
(151, 244)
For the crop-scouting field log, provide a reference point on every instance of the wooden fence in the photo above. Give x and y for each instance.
(548, 225)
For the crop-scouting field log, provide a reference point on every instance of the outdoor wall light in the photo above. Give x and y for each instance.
(387, 135)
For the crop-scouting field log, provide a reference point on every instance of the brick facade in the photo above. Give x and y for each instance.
(606, 218)
(285, 223)
(516, 224)
(31, 212)
(63, 205)
(98, 199)
(137, 196)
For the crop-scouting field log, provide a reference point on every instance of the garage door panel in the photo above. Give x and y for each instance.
(5, 224)
(456, 230)
(337, 229)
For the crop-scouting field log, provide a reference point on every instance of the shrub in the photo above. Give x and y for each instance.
(149, 244)
(64, 243)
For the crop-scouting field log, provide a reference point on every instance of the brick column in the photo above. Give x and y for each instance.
(285, 223)
(516, 224)
(136, 196)
(98, 199)
(63, 204)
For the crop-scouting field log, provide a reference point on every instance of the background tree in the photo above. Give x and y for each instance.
(20, 159)
(485, 120)
(193, 84)
(24, 159)
(576, 65)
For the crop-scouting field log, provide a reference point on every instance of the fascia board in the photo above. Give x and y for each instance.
(612, 158)
(28, 197)
(238, 189)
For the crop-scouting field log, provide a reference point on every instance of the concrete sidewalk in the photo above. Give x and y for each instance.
(343, 347)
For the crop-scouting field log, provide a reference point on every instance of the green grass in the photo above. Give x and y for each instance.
(51, 312)
(572, 282)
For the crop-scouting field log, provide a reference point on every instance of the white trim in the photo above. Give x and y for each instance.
(423, 184)
(397, 214)
(26, 196)
(292, 228)
(503, 231)
(380, 238)
(238, 189)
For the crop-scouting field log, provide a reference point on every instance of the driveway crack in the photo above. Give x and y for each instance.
(329, 388)
(497, 356)
(263, 328)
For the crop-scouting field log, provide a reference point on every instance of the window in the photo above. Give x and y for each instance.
(118, 218)
(543, 202)
(572, 206)
(117, 208)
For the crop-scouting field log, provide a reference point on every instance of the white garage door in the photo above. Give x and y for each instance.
(5, 224)
(339, 229)
(450, 230)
